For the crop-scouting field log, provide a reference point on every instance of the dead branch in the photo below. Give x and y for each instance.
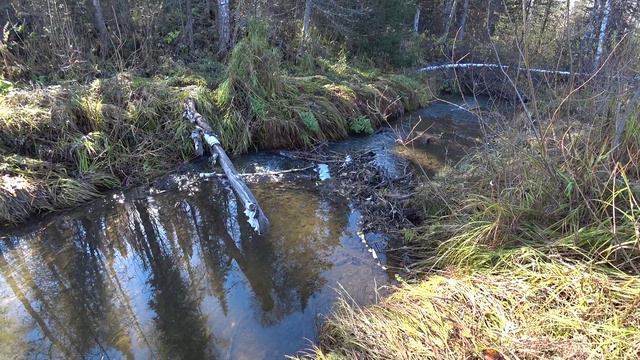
(252, 209)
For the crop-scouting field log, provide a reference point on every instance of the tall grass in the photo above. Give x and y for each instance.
(536, 308)
(82, 139)
(62, 146)
(261, 106)
(530, 246)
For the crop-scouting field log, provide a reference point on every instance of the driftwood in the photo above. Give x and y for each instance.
(252, 209)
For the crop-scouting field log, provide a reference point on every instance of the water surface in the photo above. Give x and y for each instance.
(174, 271)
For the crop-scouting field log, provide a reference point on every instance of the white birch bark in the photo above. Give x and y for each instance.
(306, 21)
(416, 20)
(603, 33)
(450, 11)
(224, 25)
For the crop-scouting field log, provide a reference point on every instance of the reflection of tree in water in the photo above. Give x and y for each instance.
(66, 276)
(60, 282)
(298, 247)
(217, 262)
(12, 334)
(284, 268)
(181, 326)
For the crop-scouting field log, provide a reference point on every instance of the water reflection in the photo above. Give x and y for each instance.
(179, 275)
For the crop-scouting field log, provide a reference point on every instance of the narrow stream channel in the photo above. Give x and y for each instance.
(176, 272)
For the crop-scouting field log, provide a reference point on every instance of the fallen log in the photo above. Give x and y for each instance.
(252, 209)
(495, 66)
(439, 67)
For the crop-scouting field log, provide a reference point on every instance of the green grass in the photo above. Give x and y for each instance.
(544, 309)
(262, 106)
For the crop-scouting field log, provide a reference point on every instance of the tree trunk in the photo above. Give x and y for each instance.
(463, 20)
(101, 28)
(603, 33)
(188, 27)
(306, 22)
(545, 20)
(416, 20)
(208, 8)
(530, 6)
(622, 119)
(450, 12)
(224, 25)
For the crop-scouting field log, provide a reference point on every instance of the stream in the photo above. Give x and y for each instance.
(173, 270)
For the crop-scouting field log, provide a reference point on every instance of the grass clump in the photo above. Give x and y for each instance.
(29, 185)
(361, 125)
(62, 146)
(263, 107)
(553, 310)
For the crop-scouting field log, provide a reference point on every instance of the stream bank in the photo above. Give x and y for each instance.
(63, 145)
(173, 270)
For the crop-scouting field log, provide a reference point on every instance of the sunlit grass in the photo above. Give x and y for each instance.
(534, 308)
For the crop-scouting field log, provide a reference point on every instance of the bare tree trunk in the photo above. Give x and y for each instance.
(416, 20)
(450, 12)
(463, 20)
(207, 4)
(306, 21)
(101, 27)
(530, 6)
(622, 119)
(224, 25)
(545, 20)
(603, 33)
(188, 27)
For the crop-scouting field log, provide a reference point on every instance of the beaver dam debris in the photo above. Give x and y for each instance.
(203, 131)
(384, 200)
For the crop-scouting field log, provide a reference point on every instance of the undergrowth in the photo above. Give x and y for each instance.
(64, 144)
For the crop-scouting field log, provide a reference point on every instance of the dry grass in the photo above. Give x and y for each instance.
(552, 310)
(63, 145)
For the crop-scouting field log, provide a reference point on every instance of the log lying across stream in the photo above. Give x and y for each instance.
(252, 209)
(495, 66)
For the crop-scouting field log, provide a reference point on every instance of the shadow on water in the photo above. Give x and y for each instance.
(178, 274)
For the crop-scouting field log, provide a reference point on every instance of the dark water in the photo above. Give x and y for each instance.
(176, 272)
